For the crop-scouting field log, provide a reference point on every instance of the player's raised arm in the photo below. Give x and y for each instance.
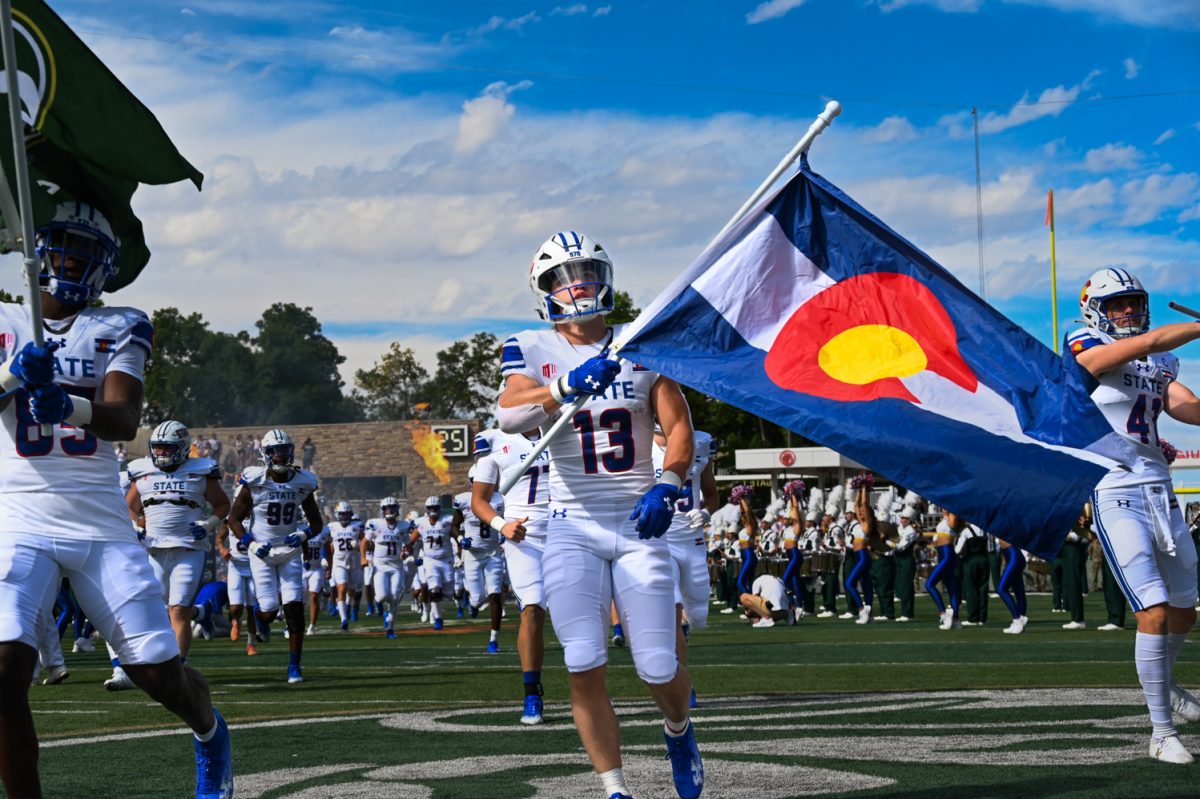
(1181, 404)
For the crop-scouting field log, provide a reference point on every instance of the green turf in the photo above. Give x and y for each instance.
(824, 707)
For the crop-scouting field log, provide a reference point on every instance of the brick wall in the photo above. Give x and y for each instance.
(365, 449)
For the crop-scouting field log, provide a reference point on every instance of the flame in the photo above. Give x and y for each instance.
(429, 446)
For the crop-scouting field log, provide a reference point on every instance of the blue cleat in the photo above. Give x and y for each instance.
(620, 796)
(354, 613)
(437, 624)
(333, 611)
(214, 766)
(493, 647)
(687, 768)
(391, 633)
(387, 619)
(345, 626)
(692, 702)
(474, 612)
(294, 675)
(458, 613)
(533, 711)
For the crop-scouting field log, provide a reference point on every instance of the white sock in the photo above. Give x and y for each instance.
(343, 611)
(208, 736)
(495, 634)
(675, 728)
(1150, 655)
(614, 781)
(435, 610)
(1174, 644)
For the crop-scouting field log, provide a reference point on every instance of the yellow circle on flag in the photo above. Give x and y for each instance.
(868, 353)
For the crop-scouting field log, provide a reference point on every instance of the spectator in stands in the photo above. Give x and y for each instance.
(308, 452)
(239, 449)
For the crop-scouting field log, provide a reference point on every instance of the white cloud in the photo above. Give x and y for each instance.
(772, 9)
(1112, 157)
(1184, 14)
(569, 11)
(1190, 215)
(892, 129)
(1166, 135)
(602, 11)
(496, 23)
(950, 6)
(1146, 199)
(1050, 103)
(486, 116)
(1132, 68)
(187, 12)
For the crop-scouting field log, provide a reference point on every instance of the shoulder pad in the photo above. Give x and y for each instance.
(1084, 338)
(205, 466)
(140, 468)
(253, 475)
(462, 501)
(129, 326)
(305, 478)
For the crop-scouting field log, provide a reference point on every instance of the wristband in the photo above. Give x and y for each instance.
(81, 413)
(670, 478)
(556, 391)
(497, 523)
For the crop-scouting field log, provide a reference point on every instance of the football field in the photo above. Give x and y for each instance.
(826, 708)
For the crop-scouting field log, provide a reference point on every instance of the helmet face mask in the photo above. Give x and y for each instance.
(170, 444)
(389, 508)
(78, 254)
(571, 278)
(343, 512)
(1114, 302)
(433, 507)
(277, 451)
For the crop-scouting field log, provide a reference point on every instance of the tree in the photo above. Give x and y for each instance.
(467, 377)
(391, 388)
(623, 309)
(195, 375)
(16, 299)
(296, 370)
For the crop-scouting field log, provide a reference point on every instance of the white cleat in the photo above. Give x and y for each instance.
(1170, 750)
(119, 681)
(847, 615)
(56, 675)
(312, 630)
(1016, 628)
(764, 623)
(826, 614)
(1108, 628)
(902, 619)
(1184, 704)
(1075, 625)
(946, 620)
(864, 615)
(83, 645)
(424, 615)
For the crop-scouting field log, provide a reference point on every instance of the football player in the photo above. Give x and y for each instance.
(602, 471)
(437, 553)
(166, 499)
(278, 498)
(685, 538)
(317, 560)
(1137, 517)
(345, 540)
(61, 509)
(239, 584)
(483, 562)
(387, 536)
(523, 525)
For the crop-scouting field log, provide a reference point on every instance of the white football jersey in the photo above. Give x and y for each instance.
(389, 542)
(314, 549)
(275, 510)
(530, 496)
(484, 540)
(436, 538)
(680, 524)
(345, 538)
(66, 484)
(1131, 397)
(604, 453)
(173, 500)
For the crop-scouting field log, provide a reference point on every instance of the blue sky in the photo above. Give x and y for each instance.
(394, 165)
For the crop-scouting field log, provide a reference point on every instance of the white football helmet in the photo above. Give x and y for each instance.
(343, 512)
(78, 233)
(1109, 284)
(277, 442)
(568, 260)
(389, 508)
(433, 506)
(170, 444)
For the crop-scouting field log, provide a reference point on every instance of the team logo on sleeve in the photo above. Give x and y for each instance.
(106, 344)
(549, 371)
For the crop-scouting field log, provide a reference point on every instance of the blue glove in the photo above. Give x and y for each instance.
(655, 509)
(263, 551)
(294, 539)
(418, 561)
(243, 544)
(141, 533)
(199, 531)
(50, 404)
(34, 365)
(465, 542)
(593, 376)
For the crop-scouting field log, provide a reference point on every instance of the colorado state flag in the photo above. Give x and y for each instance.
(812, 313)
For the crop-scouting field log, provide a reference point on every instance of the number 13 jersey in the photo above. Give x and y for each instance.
(604, 454)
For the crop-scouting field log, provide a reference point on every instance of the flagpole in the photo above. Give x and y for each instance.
(33, 292)
(1053, 270)
(823, 120)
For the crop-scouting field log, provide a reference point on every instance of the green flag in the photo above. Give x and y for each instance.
(87, 137)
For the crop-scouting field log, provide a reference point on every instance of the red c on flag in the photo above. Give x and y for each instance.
(858, 338)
